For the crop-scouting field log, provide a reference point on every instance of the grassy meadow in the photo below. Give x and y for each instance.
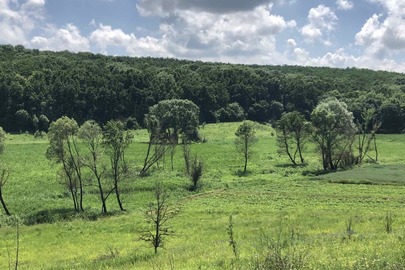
(283, 215)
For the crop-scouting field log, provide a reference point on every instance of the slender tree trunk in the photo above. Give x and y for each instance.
(299, 149)
(17, 252)
(3, 203)
(117, 193)
(287, 147)
(375, 148)
(100, 188)
(246, 155)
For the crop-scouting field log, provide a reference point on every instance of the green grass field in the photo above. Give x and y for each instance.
(280, 212)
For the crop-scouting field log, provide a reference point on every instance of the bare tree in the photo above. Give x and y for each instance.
(367, 139)
(157, 214)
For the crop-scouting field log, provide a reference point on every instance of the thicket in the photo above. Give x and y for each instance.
(38, 87)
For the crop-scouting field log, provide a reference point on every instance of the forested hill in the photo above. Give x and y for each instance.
(47, 85)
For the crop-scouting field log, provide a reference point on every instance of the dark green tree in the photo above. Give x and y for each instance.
(175, 117)
(23, 120)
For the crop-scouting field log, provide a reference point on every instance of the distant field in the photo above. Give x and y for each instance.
(393, 174)
(280, 212)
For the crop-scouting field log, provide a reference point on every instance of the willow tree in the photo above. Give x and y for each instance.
(63, 149)
(334, 132)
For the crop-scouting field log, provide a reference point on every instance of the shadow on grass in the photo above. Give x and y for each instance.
(65, 214)
(290, 165)
(316, 173)
(241, 173)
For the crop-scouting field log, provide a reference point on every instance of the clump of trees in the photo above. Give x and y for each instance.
(166, 122)
(63, 148)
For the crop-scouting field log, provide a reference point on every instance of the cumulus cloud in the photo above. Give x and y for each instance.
(105, 36)
(206, 34)
(166, 7)
(344, 4)
(321, 21)
(67, 38)
(17, 21)
(384, 36)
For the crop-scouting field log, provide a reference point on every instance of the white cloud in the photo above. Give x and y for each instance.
(321, 21)
(17, 21)
(105, 36)
(381, 37)
(203, 34)
(344, 4)
(291, 43)
(68, 38)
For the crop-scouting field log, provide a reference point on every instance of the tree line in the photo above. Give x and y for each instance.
(90, 153)
(39, 87)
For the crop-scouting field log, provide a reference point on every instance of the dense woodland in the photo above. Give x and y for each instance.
(38, 87)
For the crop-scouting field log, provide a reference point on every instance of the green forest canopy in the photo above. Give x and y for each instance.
(48, 85)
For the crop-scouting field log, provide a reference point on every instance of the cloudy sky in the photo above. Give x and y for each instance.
(338, 33)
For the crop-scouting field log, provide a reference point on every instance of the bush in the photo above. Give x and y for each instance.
(196, 173)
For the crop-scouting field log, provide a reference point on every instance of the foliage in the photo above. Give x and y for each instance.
(23, 120)
(232, 113)
(43, 123)
(86, 86)
(174, 117)
(334, 132)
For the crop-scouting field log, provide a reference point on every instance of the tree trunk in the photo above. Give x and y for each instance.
(117, 194)
(4, 204)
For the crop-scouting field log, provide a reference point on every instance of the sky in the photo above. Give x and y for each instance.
(335, 33)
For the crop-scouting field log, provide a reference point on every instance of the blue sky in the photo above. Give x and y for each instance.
(336, 33)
